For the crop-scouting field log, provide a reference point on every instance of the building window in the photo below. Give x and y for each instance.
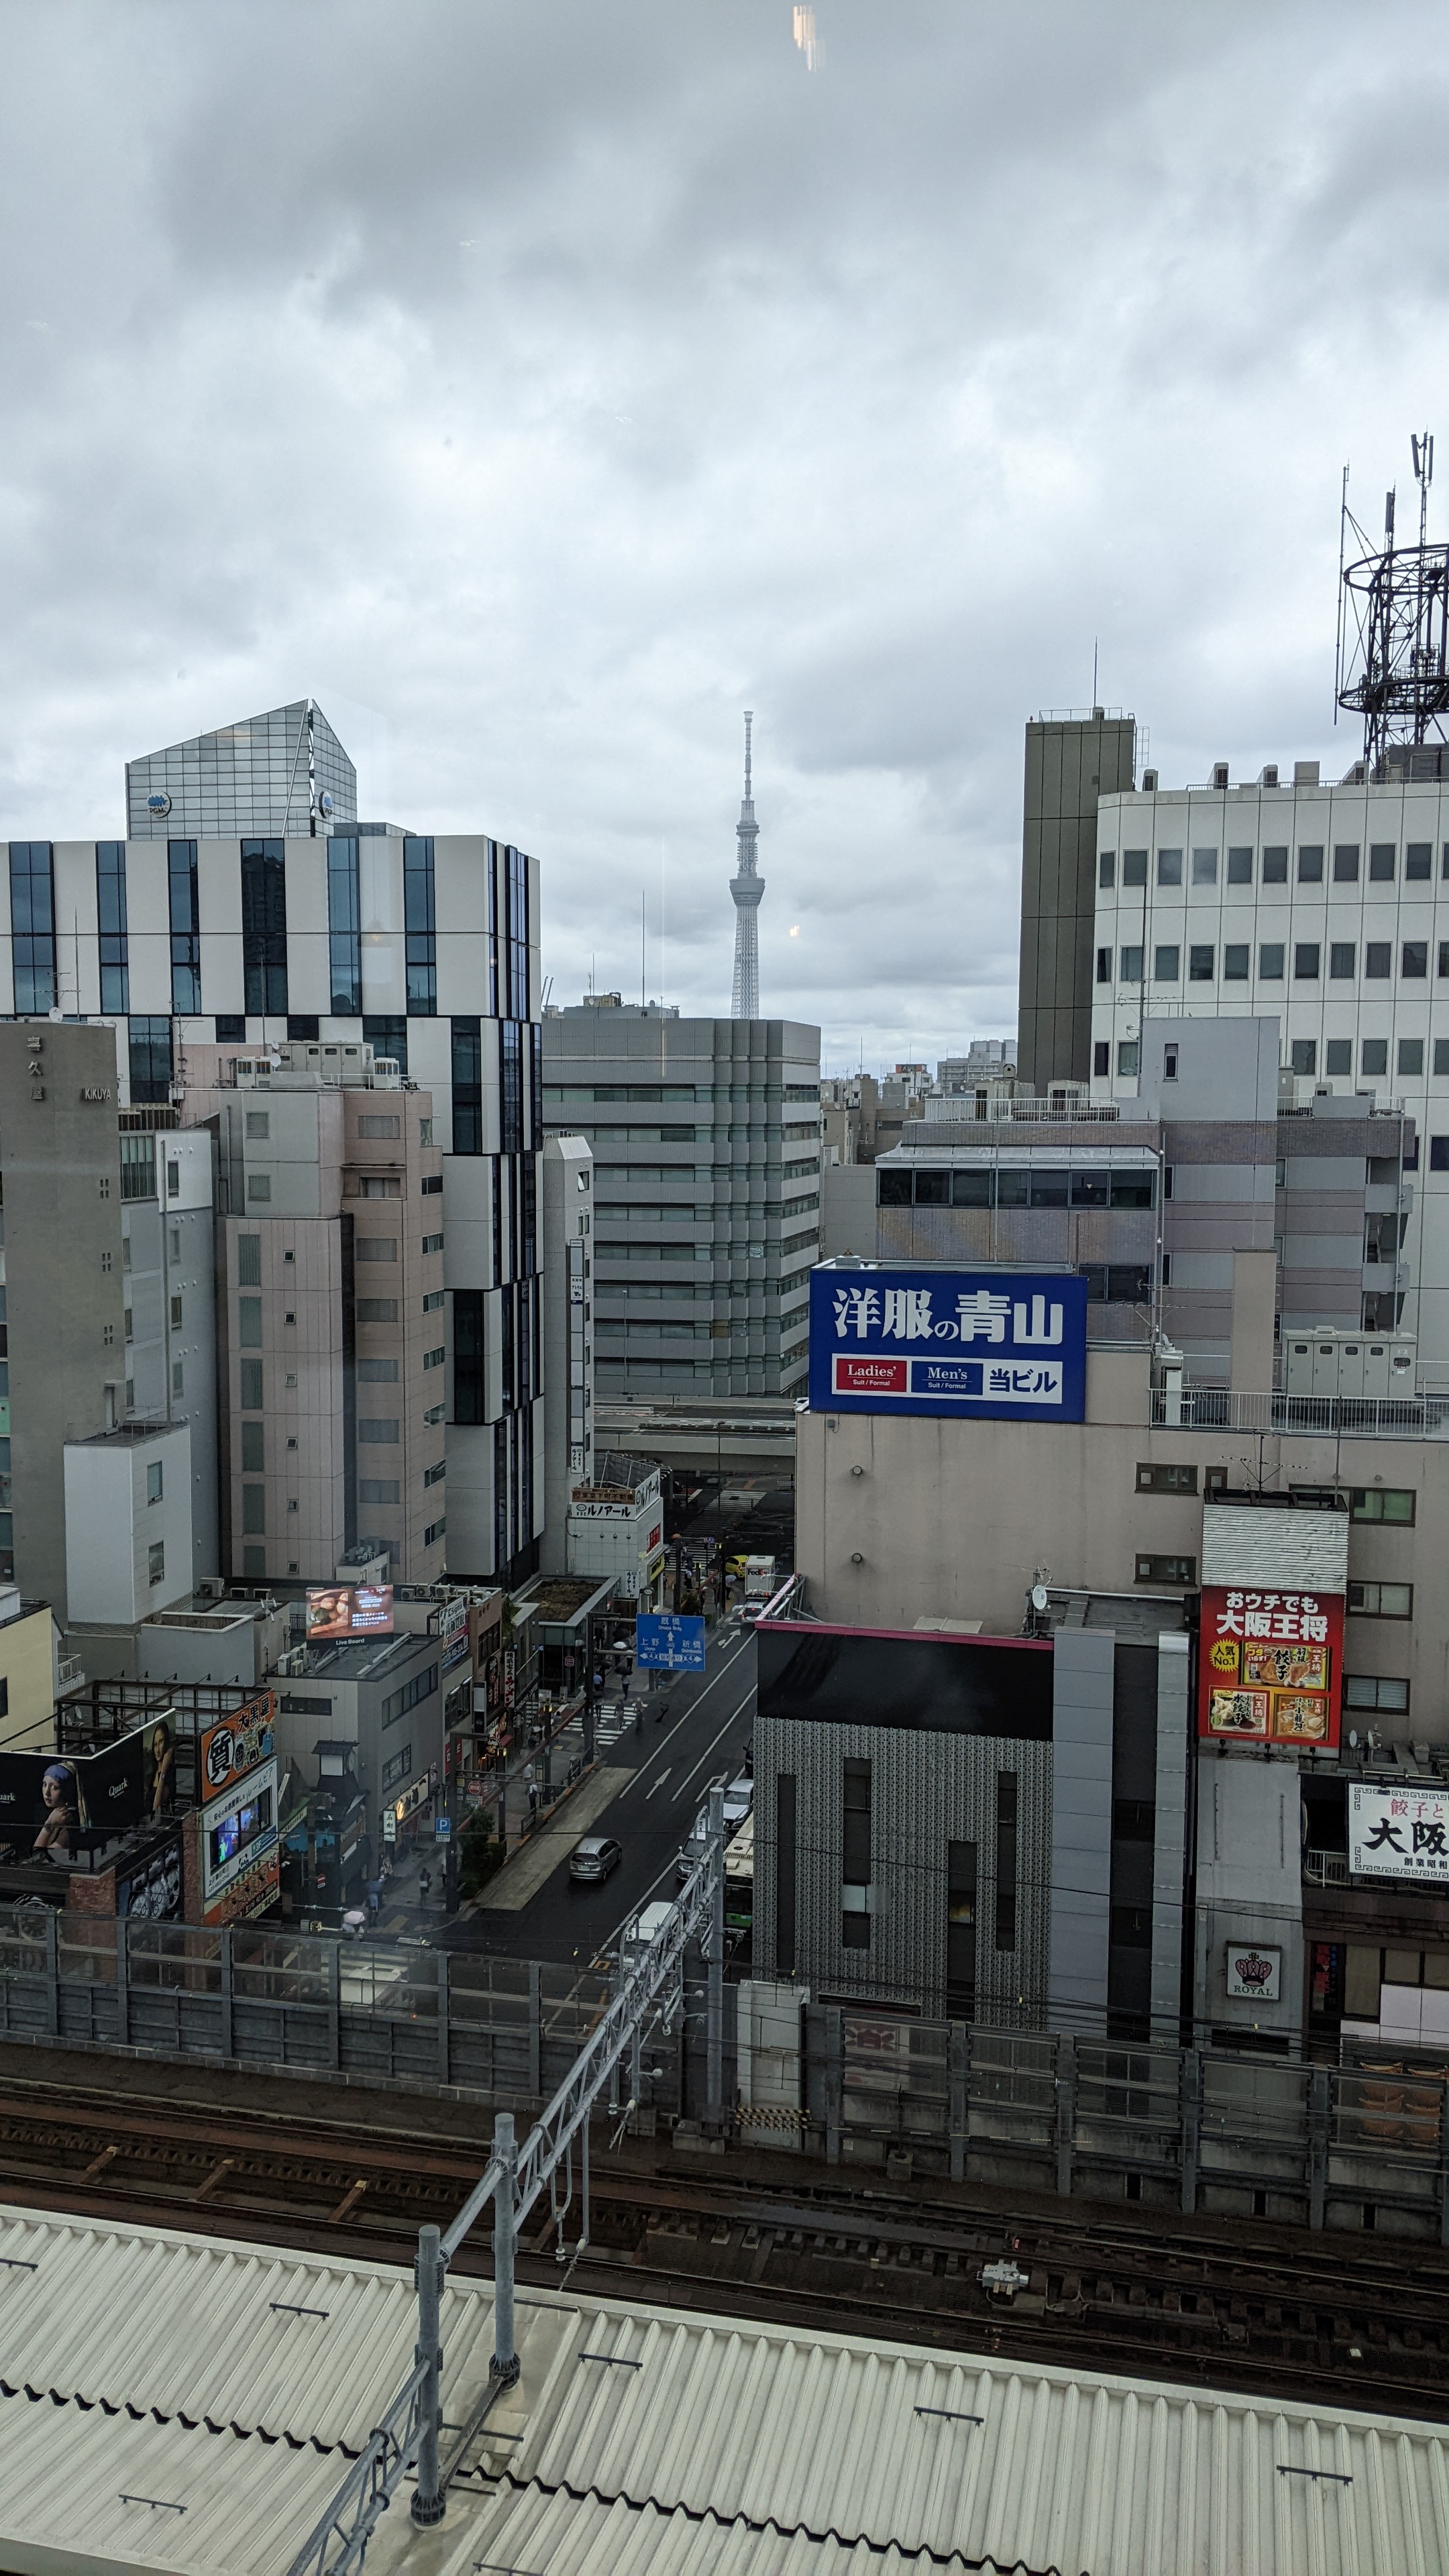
(1389, 1503)
(253, 1448)
(149, 1057)
(396, 1769)
(111, 925)
(178, 1377)
(1158, 1479)
(1439, 1153)
(1275, 866)
(1304, 1053)
(1127, 1058)
(510, 1039)
(1378, 960)
(411, 1695)
(855, 1854)
(518, 929)
(344, 926)
(1305, 962)
(1381, 1600)
(1006, 1860)
(387, 1035)
(1204, 867)
(1102, 1058)
(231, 1028)
(1104, 966)
(1134, 867)
(378, 1489)
(1381, 862)
(1310, 864)
(468, 1086)
(1166, 964)
(1199, 965)
(259, 1185)
(250, 1384)
(185, 928)
(254, 1510)
(420, 928)
(1167, 1569)
(434, 1531)
(1441, 1055)
(1270, 962)
(1374, 1056)
(961, 1930)
(468, 1365)
(1240, 867)
(32, 926)
(1235, 962)
(156, 1562)
(1169, 867)
(1341, 956)
(1375, 1691)
(1345, 863)
(1107, 868)
(1411, 1056)
(1414, 959)
(249, 1261)
(1419, 859)
(264, 927)
(154, 1482)
(377, 1372)
(379, 1431)
(1338, 1055)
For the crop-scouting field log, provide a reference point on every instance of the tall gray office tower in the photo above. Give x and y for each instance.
(747, 886)
(1070, 762)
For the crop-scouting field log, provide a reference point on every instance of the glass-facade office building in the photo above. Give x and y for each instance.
(203, 944)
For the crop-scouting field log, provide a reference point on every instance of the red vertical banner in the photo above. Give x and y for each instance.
(1270, 1667)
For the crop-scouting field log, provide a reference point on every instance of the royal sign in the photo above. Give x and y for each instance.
(1003, 1346)
(1270, 1667)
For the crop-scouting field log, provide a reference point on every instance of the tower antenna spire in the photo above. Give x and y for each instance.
(747, 886)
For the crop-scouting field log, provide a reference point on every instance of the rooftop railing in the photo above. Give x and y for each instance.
(1351, 1417)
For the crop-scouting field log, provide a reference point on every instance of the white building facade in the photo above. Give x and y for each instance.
(1327, 906)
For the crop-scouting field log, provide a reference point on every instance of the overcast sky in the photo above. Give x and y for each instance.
(540, 385)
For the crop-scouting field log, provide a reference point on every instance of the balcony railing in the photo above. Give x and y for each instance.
(1326, 1868)
(1352, 1417)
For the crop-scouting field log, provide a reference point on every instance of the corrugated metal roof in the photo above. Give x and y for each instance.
(639, 2441)
(204, 2332)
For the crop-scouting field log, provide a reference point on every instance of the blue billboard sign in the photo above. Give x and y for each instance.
(999, 1345)
(664, 1643)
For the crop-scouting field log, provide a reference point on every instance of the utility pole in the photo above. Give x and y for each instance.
(714, 1962)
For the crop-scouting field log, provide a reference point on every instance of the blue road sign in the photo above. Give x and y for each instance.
(443, 1829)
(668, 1644)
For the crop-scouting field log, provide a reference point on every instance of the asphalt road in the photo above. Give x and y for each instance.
(662, 1778)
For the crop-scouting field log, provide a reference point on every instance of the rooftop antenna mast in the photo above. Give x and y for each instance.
(1393, 648)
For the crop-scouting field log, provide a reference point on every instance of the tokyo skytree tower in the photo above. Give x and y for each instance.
(747, 886)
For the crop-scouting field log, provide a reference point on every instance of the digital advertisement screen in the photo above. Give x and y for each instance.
(349, 1610)
(240, 1843)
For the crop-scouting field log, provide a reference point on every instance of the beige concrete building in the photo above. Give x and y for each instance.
(332, 1325)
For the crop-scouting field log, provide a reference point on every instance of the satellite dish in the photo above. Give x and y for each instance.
(1038, 1596)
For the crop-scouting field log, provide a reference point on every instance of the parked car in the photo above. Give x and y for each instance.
(594, 1857)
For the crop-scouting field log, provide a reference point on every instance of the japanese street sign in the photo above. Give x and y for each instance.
(1270, 1666)
(1398, 1833)
(442, 1829)
(1000, 1345)
(666, 1643)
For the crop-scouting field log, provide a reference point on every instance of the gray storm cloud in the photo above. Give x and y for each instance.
(558, 382)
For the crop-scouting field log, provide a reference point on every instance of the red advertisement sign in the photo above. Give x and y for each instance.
(1270, 1667)
(868, 1377)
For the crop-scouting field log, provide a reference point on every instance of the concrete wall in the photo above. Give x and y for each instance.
(60, 1166)
(953, 1519)
(27, 1672)
(113, 1524)
(1081, 1846)
(1249, 1890)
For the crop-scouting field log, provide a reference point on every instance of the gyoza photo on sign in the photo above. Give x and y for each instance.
(1000, 1345)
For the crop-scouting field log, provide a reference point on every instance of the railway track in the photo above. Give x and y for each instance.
(1141, 2297)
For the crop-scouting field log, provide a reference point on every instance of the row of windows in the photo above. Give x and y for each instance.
(1273, 865)
(568, 1095)
(1389, 1505)
(1378, 962)
(1303, 1058)
(264, 927)
(1030, 1186)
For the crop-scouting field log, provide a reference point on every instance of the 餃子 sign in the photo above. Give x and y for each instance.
(1270, 1666)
